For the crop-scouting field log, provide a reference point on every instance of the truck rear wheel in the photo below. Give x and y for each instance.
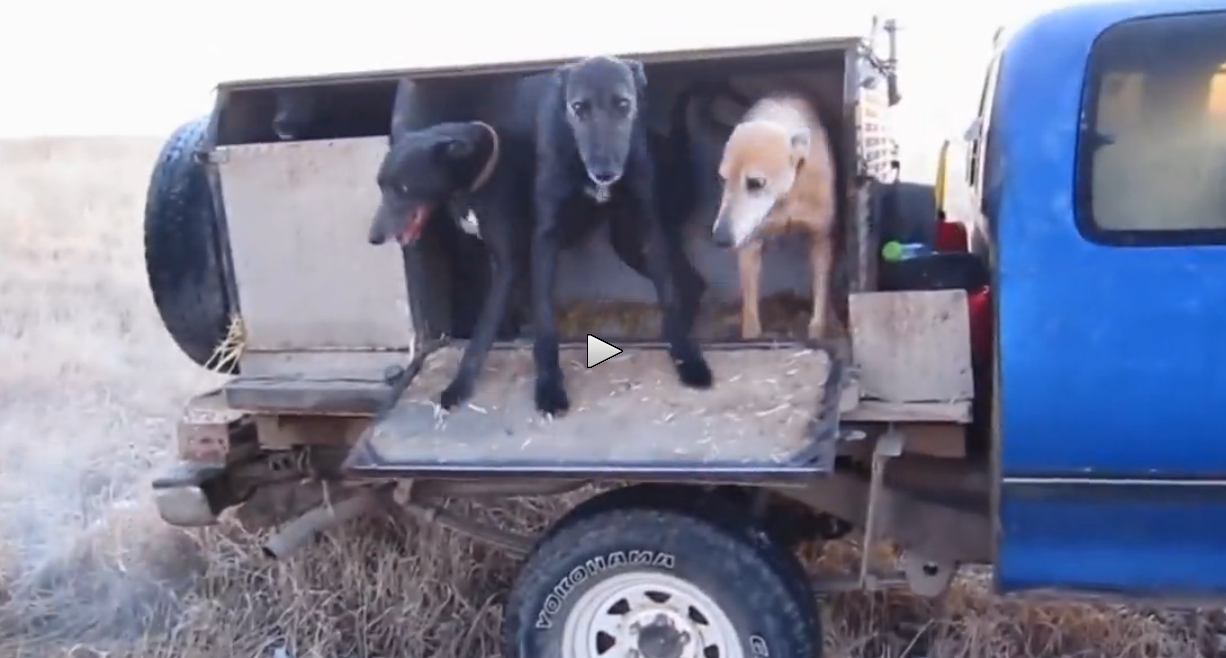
(182, 259)
(655, 578)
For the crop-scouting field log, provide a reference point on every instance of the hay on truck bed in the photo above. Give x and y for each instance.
(769, 407)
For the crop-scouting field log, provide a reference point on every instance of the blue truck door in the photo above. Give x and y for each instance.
(1105, 187)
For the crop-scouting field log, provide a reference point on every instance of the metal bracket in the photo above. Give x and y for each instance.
(214, 156)
(889, 445)
(927, 578)
(419, 503)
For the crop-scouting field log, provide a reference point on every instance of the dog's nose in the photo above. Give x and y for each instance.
(721, 236)
(605, 177)
(376, 236)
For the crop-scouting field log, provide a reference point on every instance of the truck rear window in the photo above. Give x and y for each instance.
(1152, 152)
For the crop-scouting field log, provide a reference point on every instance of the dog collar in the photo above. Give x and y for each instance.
(488, 170)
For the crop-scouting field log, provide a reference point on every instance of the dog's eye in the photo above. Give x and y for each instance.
(754, 184)
(403, 189)
(621, 104)
(580, 108)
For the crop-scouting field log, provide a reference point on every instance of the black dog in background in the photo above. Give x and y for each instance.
(295, 113)
(569, 150)
(595, 161)
(323, 112)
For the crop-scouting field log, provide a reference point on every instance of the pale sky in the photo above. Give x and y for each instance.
(139, 67)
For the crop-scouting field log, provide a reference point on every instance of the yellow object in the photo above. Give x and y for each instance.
(938, 187)
(1217, 93)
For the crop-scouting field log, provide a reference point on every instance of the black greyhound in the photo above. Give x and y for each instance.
(594, 157)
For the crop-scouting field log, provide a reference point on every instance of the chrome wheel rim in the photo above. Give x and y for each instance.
(648, 615)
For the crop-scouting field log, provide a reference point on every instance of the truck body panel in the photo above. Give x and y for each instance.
(1109, 339)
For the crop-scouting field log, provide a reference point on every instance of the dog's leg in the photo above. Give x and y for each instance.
(687, 357)
(628, 243)
(550, 388)
(821, 260)
(690, 283)
(749, 262)
(504, 272)
(691, 367)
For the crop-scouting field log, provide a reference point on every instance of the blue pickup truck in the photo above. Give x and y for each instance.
(1097, 171)
(1024, 382)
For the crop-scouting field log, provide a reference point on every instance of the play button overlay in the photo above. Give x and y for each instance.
(599, 351)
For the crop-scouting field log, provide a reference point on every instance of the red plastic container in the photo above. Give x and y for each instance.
(979, 307)
(950, 236)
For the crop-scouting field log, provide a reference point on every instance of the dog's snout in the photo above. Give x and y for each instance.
(721, 236)
(605, 176)
(377, 234)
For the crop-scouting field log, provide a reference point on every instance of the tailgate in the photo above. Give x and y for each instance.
(772, 415)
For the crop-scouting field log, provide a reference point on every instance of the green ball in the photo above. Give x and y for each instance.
(892, 250)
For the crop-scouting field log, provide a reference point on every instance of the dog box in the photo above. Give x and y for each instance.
(323, 323)
(297, 212)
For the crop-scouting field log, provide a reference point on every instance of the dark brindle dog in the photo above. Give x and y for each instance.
(565, 149)
(447, 171)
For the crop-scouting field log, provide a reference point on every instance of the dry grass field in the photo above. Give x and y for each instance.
(90, 386)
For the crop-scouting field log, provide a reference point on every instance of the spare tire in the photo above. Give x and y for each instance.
(182, 257)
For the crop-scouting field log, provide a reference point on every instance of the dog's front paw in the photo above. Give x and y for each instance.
(751, 325)
(693, 369)
(456, 393)
(551, 396)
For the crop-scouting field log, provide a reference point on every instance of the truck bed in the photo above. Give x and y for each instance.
(772, 414)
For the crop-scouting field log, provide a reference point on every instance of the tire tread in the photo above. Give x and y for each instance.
(772, 576)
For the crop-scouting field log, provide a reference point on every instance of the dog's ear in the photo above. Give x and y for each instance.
(400, 110)
(799, 144)
(562, 74)
(640, 75)
(453, 149)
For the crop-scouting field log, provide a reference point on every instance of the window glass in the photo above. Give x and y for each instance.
(1152, 150)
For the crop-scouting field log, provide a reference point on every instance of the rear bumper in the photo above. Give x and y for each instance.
(180, 494)
(193, 492)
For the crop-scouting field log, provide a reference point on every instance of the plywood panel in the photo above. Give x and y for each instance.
(298, 217)
(912, 346)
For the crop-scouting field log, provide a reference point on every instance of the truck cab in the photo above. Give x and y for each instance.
(1096, 170)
